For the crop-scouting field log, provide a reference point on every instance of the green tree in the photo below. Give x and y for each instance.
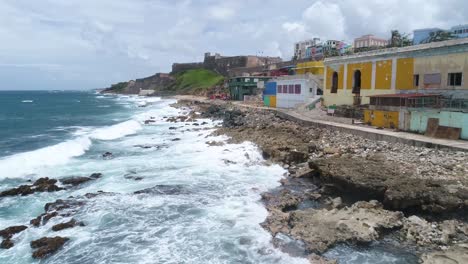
(399, 40)
(440, 35)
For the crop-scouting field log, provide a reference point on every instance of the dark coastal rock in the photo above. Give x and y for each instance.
(63, 208)
(12, 230)
(95, 175)
(22, 190)
(176, 139)
(93, 195)
(75, 180)
(164, 190)
(60, 205)
(70, 224)
(8, 233)
(133, 177)
(389, 184)
(150, 121)
(41, 185)
(285, 200)
(234, 118)
(6, 244)
(47, 217)
(149, 146)
(229, 162)
(43, 218)
(143, 146)
(107, 155)
(176, 119)
(214, 111)
(173, 128)
(47, 246)
(297, 157)
(36, 221)
(363, 222)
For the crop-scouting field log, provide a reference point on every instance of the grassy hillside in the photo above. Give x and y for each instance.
(119, 86)
(196, 81)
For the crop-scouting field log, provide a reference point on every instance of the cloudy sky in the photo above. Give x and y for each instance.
(84, 44)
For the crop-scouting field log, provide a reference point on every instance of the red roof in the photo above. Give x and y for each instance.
(411, 95)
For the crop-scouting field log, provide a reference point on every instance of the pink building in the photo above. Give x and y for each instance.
(367, 41)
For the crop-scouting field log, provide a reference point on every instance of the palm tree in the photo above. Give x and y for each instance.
(399, 40)
(440, 35)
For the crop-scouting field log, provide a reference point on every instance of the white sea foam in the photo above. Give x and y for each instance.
(33, 161)
(116, 131)
(27, 101)
(152, 99)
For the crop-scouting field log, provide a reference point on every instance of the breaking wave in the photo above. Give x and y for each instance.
(29, 163)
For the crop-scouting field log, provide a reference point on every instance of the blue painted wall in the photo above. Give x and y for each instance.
(450, 119)
(270, 88)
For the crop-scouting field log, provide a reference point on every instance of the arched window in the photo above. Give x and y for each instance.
(334, 87)
(357, 82)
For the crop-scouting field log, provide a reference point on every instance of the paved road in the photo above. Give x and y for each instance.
(342, 124)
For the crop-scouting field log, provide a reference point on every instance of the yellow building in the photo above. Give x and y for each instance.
(313, 67)
(438, 67)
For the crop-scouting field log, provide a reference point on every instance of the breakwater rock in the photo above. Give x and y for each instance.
(342, 188)
(41, 185)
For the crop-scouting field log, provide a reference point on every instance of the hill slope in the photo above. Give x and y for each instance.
(195, 81)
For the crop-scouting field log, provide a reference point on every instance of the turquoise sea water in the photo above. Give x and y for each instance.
(215, 218)
(34, 119)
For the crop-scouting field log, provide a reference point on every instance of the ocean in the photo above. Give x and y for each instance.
(213, 216)
(61, 134)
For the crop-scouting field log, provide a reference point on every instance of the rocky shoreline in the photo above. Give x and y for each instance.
(342, 188)
(339, 189)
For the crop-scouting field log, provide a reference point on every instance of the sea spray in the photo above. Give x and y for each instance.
(215, 219)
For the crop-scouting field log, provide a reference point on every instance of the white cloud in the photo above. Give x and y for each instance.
(325, 19)
(106, 41)
(221, 12)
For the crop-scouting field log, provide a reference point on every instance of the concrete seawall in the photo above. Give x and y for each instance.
(411, 139)
(381, 135)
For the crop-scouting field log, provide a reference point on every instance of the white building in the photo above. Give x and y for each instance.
(294, 90)
(301, 47)
(460, 31)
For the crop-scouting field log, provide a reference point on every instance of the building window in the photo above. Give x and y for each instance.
(291, 89)
(311, 90)
(297, 89)
(285, 89)
(433, 78)
(280, 88)
(416, 80)
(455, 79)
(334, 87)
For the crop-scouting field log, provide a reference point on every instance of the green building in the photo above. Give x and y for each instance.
(241, 86)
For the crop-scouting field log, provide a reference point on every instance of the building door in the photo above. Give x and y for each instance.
(357, 82)
(334, 88)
